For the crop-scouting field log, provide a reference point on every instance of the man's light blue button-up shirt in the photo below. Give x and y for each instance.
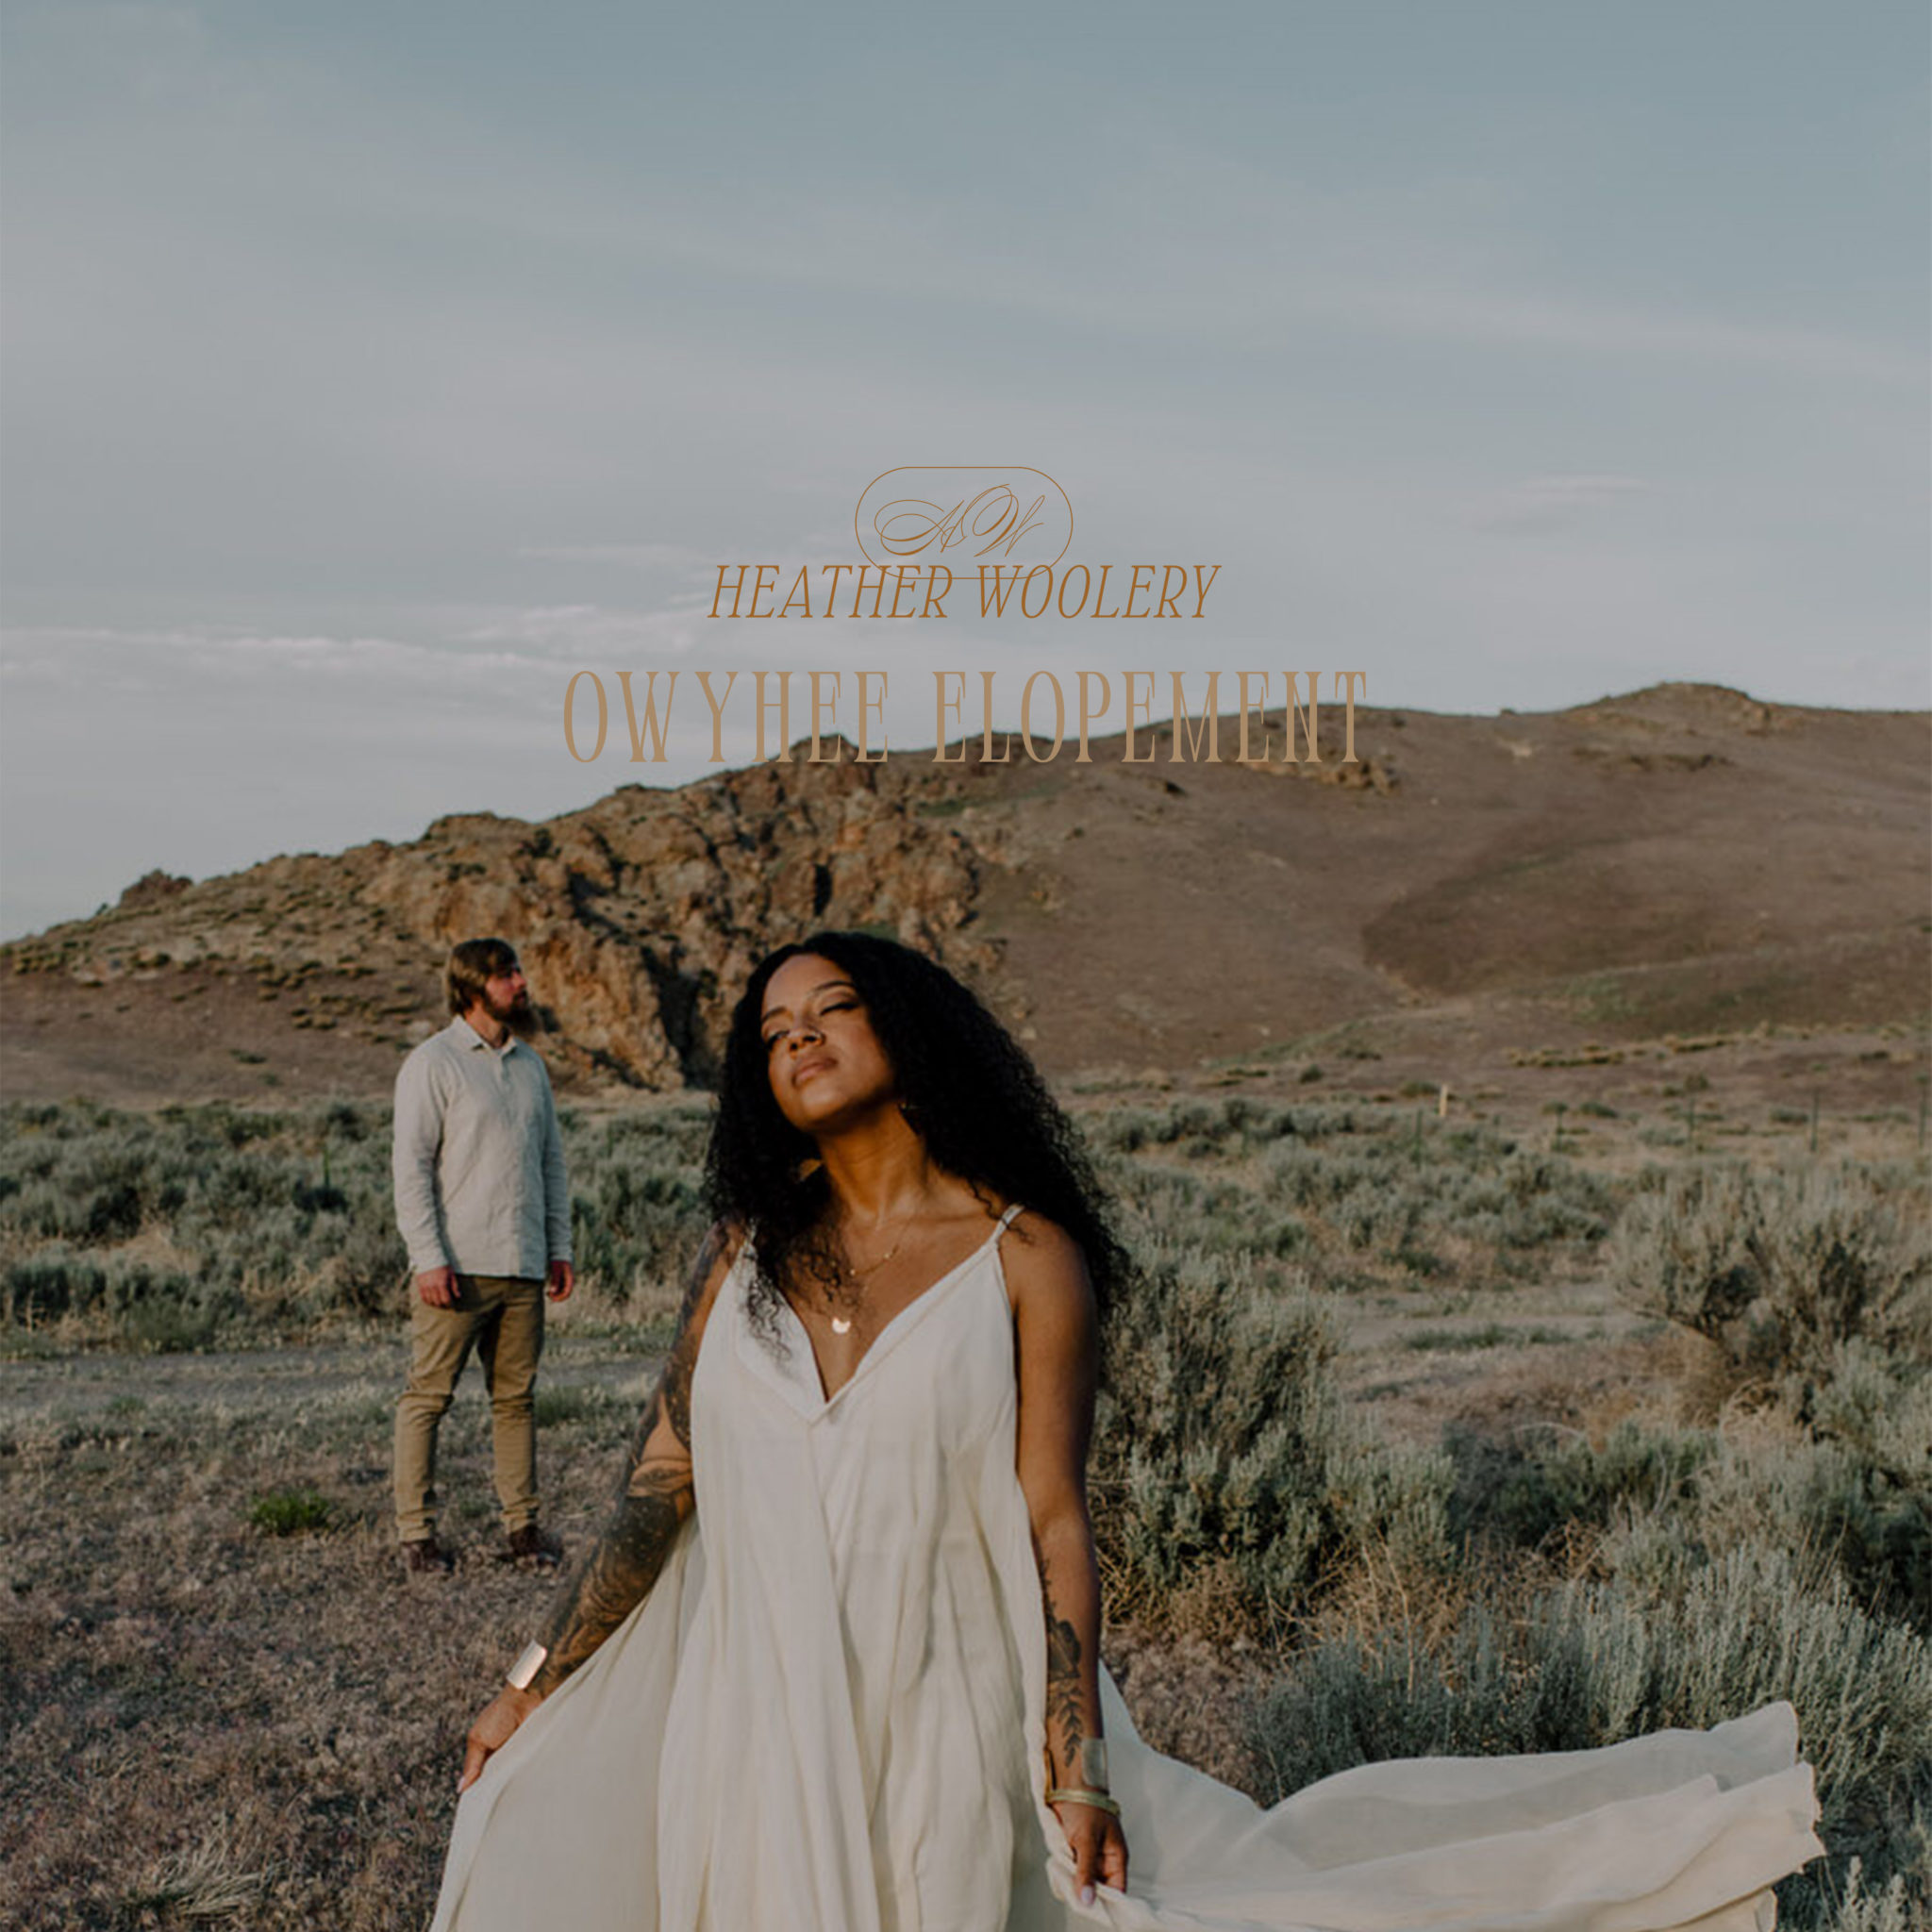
(478, 1161)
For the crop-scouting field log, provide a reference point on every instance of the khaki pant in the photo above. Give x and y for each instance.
(501, 1317)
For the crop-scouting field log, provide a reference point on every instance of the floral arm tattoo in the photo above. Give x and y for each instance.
(617, 1570)
(1070, 1601)
(1066, 1697)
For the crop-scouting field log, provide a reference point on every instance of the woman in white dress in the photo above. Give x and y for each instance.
(832, 1666)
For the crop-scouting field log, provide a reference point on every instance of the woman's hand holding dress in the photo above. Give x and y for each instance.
(617, 1570)
(1099, 1848)
(495, 1726)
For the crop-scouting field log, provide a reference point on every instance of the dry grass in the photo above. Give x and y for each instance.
(212, 1724)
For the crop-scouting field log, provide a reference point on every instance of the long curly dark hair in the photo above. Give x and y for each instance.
(966, 1086)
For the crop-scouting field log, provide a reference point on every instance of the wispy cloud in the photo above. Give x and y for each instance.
(181, 663)
(563, 631)
(1552, 503)
(643, 556)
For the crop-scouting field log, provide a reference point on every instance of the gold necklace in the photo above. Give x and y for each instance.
(841, 1324)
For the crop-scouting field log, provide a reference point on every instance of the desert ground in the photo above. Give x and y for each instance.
(227, 1705)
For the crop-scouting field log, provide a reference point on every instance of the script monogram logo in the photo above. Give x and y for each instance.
(963, 514)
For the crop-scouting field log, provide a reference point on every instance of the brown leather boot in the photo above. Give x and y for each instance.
(530, 1549)
(426, 1557)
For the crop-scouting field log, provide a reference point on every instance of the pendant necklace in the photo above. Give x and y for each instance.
(841, 1324)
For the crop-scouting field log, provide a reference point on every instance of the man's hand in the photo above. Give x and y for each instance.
(496, 1724)
(563, 1277)
(438, 1286)
(1099, 1848)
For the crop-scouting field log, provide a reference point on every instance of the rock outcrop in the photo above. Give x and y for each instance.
(636, 918)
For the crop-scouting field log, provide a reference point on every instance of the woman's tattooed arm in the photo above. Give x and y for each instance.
(1056, 1348)
(617, 1570)
(1068, 1693)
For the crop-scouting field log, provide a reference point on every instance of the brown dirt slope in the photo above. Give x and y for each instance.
(1684, 859)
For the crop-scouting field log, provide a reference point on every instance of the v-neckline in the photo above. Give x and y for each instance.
(877, 1345)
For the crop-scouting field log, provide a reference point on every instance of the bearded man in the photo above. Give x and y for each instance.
(484, 1207)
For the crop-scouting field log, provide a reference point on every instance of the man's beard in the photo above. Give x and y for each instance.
(519, 1017)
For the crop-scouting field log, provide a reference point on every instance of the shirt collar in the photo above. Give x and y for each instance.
(467, 1036)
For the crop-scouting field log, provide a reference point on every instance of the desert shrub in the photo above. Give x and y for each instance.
(279, 1222)
(1658, 1503)
(364, 1266)
(99, 1177)
(1238, 1125)
(1382, 1218)
(1548, 1199)
(1527, 1494)
(1216, 1212)
(1834, 1509)
(1121, 1130)
(1223, 1453)
(291, 1512)
(1349, 1701)
(1839, 1262)
(1856, 1907)
(1385, 1191)
(53, 1281)
(1391, 1501)
(1591, 1665)
(665, 1135)
(100, 1203)
(1860, 1490)
(1878, 1404)
(288, 1213)
(168, 1310)
(638, 1208)
(1191, 1124)
(1777, 1272)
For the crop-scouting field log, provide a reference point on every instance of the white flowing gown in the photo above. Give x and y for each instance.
(827, 1716)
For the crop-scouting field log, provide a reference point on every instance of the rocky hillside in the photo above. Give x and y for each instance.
(1684, 859)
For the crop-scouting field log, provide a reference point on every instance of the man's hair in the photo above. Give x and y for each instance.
(472, 964)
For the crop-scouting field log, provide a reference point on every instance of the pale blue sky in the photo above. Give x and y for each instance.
(370, 369)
